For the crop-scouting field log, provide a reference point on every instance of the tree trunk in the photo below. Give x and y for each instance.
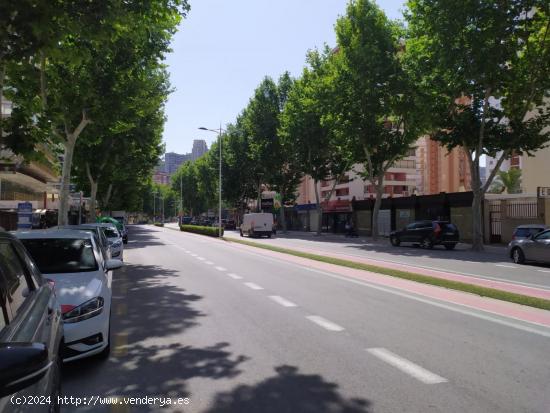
(259, 205)
(282, 216)
(477, 191)
(2, 75)
(62, 217)
(379, 185)
(318, 205)
(93, 200)
(107, 197)
(69, 144)
(477, 222)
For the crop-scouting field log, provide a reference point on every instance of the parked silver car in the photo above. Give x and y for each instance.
(534, 248)
(525, 231)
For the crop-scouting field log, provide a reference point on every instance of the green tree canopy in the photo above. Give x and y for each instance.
(487, 73)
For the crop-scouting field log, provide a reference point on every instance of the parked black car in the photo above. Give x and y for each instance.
(31, 333)
(229, 224)
(427, 234)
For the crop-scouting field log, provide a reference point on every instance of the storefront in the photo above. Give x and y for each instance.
(335, 215)
(303, 216)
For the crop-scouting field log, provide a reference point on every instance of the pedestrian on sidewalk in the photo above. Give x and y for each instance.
(348, 228)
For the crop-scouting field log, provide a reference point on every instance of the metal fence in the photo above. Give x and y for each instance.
(522, 209)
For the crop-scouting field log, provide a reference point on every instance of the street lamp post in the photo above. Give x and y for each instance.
(219, 132)
(181, 196)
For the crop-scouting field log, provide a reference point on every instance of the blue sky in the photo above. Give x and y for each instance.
(224, 49)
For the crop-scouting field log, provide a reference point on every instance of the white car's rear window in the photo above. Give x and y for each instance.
(62, 255)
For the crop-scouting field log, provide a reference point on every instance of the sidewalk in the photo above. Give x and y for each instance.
(382, 241)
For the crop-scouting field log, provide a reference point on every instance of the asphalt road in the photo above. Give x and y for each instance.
(493, 264)
(234, 331)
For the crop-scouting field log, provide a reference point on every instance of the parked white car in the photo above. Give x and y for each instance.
(257, 224)
(113, 237)
(82, 279)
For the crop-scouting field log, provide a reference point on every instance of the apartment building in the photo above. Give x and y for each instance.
(199, 148)
(440, 170)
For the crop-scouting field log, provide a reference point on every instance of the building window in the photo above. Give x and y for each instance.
(405, 163)
(342, 192)
(411, 152)
(324, 194)
(325, 183)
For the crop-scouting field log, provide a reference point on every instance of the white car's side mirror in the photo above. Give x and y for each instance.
(114, 264)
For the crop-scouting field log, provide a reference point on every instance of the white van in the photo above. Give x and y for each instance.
(257, 224)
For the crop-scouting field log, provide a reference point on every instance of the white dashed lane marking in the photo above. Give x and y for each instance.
(209, 262)
(283, 301)
(504, 266)
(326, 324)
(253, 286)
(221, 269)
(234, 276)
(406, 366)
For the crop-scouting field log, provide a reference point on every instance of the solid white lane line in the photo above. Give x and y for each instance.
(544, 271)
(406, 366)
(209, 262)
(234, 276)
(221, 269)
(504, 266)
(323, 322)
(253, 286)
(283, 301)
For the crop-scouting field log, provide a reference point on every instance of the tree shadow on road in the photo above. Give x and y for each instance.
(141, 237)
(288, 392)
(149, 314)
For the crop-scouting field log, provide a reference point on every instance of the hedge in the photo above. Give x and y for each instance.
(159, 224)
(197, 229)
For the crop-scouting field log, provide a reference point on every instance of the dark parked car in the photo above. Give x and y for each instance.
(534, 248)
(427, 234)
(229, 224)
(31, 333)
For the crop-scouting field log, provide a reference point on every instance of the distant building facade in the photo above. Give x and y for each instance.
(441, 170)
(199, 148)
(173, 161)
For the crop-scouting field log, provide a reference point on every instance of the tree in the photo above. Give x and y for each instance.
(122, 146)
(198, 185)
(71, 69)
(486, 69)
(316, 149)
(378, 106)
(509, 181)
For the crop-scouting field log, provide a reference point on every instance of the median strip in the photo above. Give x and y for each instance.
(425, 279)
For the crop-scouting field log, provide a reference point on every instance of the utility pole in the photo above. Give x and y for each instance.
(220, 184)
(219, 132)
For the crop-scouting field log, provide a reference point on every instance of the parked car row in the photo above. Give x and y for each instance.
(55, 302)
(529, 242)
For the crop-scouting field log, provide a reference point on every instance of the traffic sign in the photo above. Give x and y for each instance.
(24, 215)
